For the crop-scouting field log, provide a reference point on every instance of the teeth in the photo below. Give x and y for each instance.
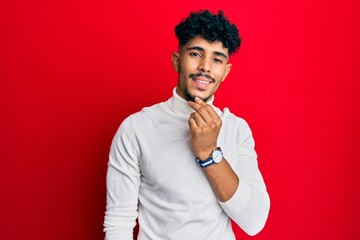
(202, 82)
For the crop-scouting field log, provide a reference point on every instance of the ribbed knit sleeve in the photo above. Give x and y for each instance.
(123, 182)
(249, 206)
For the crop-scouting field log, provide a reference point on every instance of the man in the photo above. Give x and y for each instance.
(184, 167)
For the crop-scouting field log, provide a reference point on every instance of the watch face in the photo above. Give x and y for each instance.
(217, 156)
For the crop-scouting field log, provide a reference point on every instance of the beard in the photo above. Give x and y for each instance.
(191, 97)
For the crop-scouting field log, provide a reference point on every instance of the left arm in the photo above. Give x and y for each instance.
(205, 126)
(243, 197)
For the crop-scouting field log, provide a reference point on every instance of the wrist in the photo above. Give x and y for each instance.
(205, 154)
(215, 157)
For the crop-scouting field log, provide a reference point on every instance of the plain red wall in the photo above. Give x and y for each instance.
(71, 71)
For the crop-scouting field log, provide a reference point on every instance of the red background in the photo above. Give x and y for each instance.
(71, 71)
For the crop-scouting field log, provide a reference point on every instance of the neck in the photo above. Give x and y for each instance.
(181, 106)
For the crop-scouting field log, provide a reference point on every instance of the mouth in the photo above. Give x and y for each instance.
(202, 81)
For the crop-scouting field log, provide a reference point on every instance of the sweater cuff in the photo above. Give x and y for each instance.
(126, 235)
(239, 200)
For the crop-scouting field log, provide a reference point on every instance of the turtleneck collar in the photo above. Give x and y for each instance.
(180, 106)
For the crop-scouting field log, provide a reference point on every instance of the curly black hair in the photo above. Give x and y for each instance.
(211, 27)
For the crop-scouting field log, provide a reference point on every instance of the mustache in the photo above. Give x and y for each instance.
(202, 75)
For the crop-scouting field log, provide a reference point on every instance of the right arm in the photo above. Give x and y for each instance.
(123, 183)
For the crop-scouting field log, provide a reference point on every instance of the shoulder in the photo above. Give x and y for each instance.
(231, 119)
(150, 115)
(236, 130)
(236, 126)
(141, 118)
(143, 114)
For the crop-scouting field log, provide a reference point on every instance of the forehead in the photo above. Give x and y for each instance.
(208, 46)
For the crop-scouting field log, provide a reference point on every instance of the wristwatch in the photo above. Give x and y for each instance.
(215, 157)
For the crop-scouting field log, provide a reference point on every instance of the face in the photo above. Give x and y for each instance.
(202, 66)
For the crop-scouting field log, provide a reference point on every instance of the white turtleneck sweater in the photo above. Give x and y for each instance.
(153, 176)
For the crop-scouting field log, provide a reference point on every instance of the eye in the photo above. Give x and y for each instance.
(217, 60)
(195, 54)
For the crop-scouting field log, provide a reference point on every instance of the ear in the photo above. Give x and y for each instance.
(227, 70)
(175, 61)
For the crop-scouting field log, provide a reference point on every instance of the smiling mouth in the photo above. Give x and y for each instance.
(202, 78)
(202, 82)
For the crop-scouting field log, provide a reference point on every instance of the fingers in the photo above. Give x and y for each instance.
(192, 123)
(205, 110)
(209, 108)
(204, 126)
(199, 121)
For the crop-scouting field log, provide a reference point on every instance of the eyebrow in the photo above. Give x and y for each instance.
(203, 50)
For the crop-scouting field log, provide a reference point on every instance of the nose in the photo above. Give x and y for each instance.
(204, 65)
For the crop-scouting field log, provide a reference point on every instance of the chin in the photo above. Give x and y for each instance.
(191, 97)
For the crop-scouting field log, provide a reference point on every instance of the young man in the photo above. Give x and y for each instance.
(184, 167)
